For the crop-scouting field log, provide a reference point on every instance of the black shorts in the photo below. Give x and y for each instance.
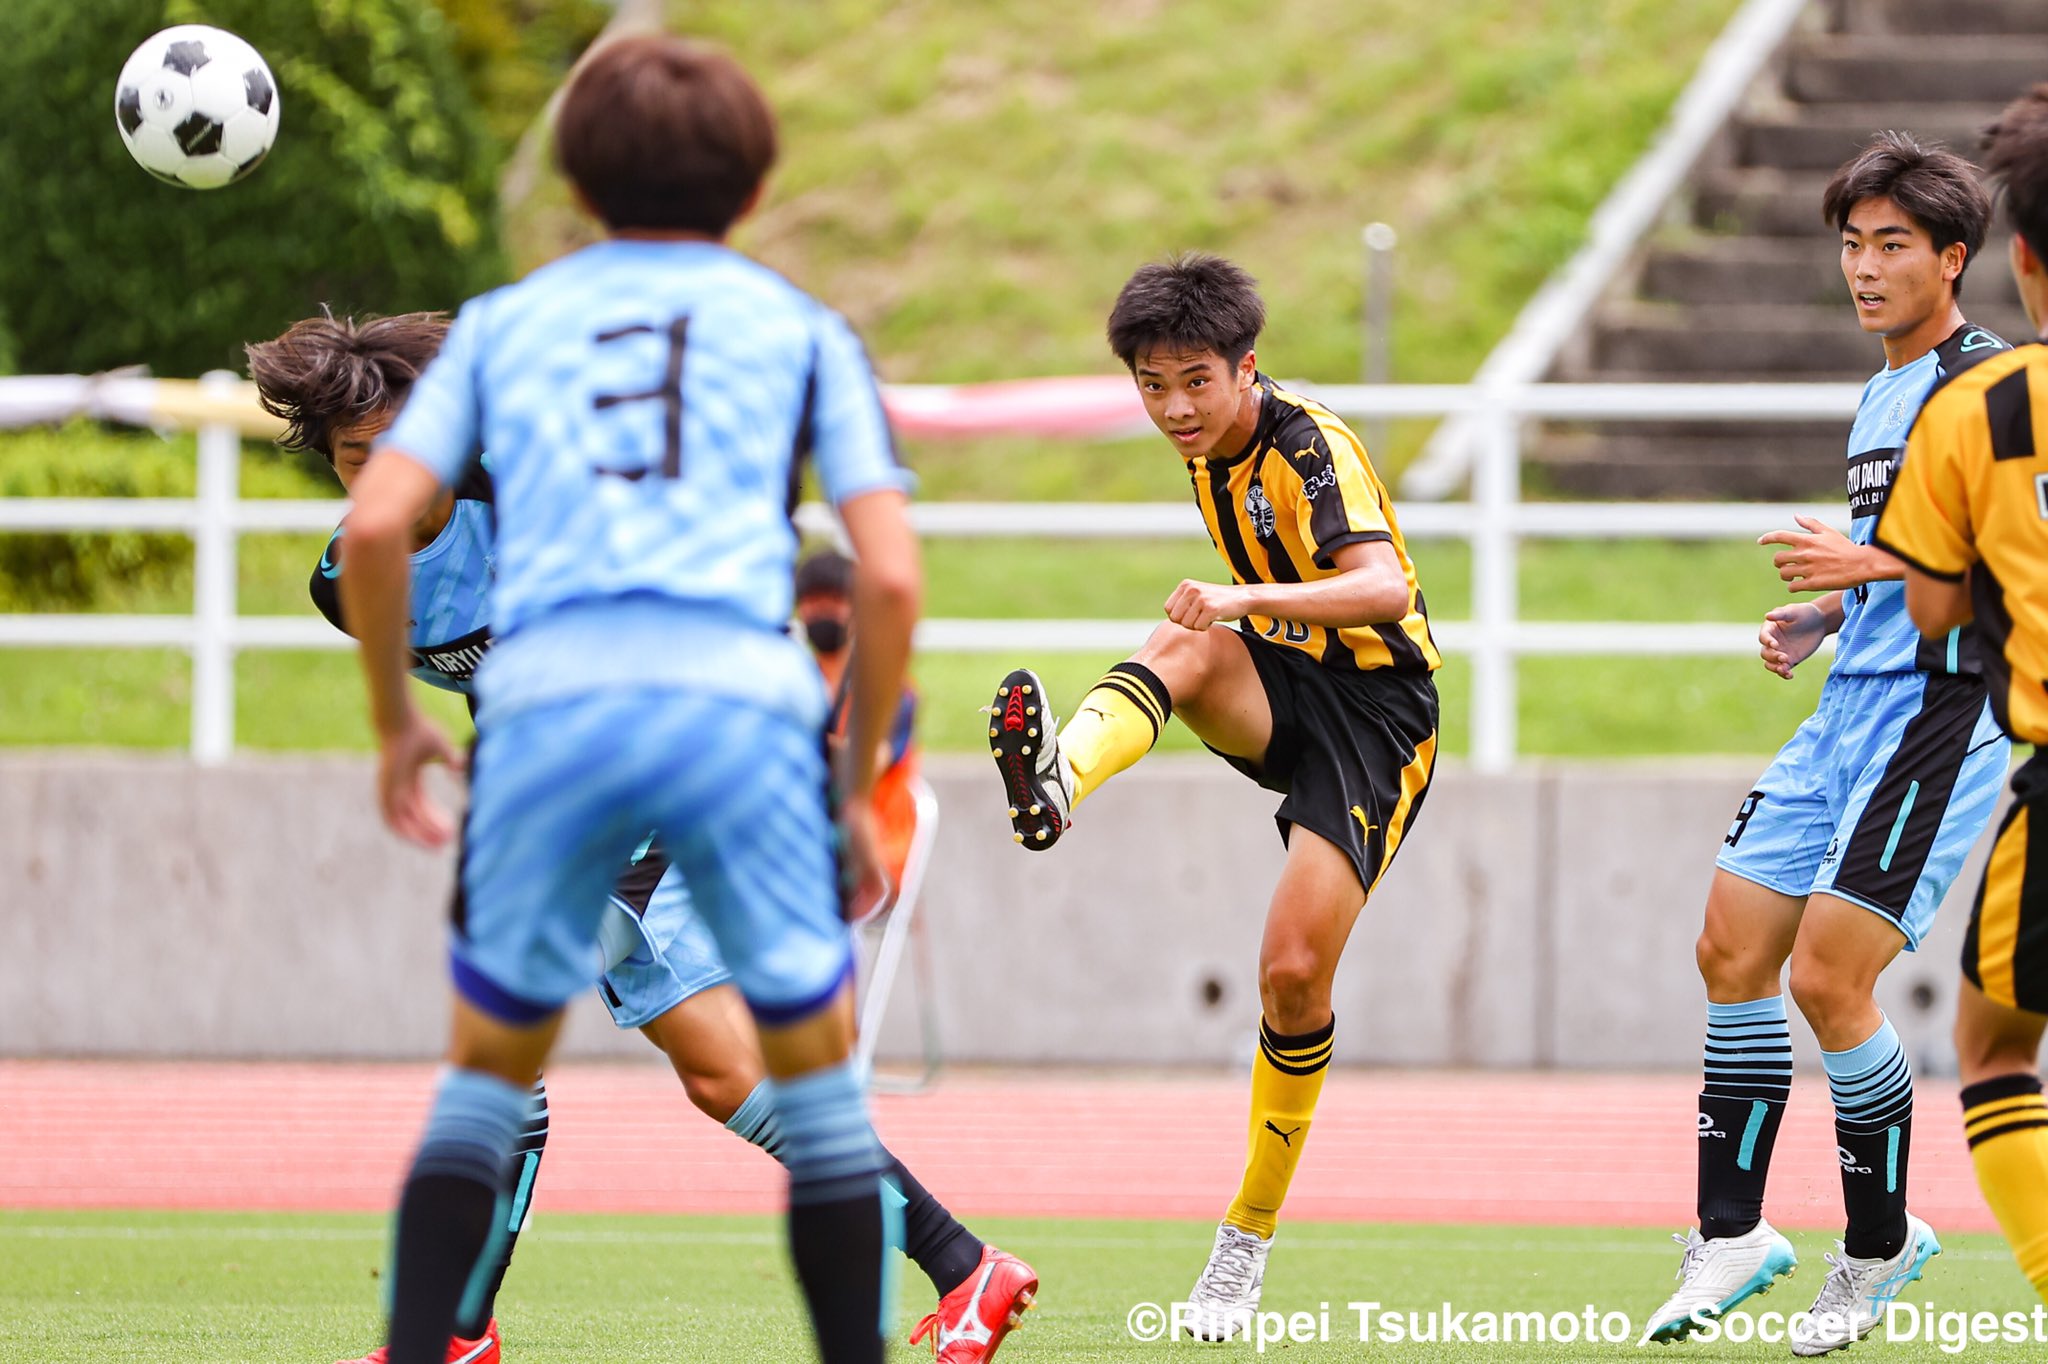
(2005, 950)
(1353, 752)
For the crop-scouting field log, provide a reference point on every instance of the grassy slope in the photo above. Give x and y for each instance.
(972, 195)
(207, 1289)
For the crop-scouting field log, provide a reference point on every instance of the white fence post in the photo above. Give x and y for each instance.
(213, 582)
(1496, 489)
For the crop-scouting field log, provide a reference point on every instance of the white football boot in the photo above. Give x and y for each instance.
(1224, 1299)
(1857, 1292)
(1717, 1274)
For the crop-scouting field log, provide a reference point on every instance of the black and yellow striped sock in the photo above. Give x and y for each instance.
(1115, 725)
(2006, 1122)
(1287, 1079)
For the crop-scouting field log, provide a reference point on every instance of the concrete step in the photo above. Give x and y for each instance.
(1940, 16)
(1821, 137)
(1788, 270)
(1860, 68)
(1760, 202)
(1589, 464)
(1793, 342)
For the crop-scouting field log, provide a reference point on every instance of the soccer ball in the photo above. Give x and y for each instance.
(196, 107)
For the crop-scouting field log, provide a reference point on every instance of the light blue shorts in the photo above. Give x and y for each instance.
(658, 957)
(561, 794)
(1877, 797)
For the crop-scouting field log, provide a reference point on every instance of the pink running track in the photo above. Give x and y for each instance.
(1426, 1147)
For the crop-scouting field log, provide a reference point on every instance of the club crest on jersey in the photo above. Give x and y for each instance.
(1258, 511)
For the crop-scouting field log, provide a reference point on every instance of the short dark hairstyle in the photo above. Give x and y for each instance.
(826, 573)
(1938, 189)
(665, 134)
(328, 373)
(2016, 159)
(1191, 302)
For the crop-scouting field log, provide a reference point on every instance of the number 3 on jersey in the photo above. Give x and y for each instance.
(669, 393)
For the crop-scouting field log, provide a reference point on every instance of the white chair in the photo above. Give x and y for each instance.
(884, 937)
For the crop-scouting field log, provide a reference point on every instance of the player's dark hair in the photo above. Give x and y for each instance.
(1192, 302)
(327, 373)
(665, 134)
(1939, 190)
(826, 573)
(2016, 159)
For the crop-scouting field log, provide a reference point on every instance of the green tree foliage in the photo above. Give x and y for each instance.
(515, 52)
(379, 195)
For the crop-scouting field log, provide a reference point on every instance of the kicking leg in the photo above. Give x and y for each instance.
(1205, 675)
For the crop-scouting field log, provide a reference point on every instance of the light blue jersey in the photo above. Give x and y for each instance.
(649, 407)
(451, 581)
(1876, 635)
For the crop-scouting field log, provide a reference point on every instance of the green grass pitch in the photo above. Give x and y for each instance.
(206, 1288)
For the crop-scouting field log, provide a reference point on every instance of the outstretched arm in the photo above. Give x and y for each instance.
(1820, 558)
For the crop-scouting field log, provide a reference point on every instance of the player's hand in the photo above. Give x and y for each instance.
(1819, 558)
(1790, 635)
(863, 885)
(402, 758)
(1197, 606)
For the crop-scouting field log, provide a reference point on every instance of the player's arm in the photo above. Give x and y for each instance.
(1937, 605)
(1369, 589)
(888, 587)
(434, 439)
(1819, 558)
(390, 497)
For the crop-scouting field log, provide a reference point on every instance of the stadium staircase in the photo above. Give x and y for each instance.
(1742, 282)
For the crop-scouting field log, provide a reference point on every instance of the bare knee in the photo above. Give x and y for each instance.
(1735, 971)
(1179, 657)
(719, 1095)
(1294, 988)
(1992, 1040)
(1839, 1008)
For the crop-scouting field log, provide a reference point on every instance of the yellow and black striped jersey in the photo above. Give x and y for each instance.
(1971, 496)
(1281, 507)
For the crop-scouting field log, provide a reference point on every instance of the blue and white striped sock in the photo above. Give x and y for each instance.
(1872, 1085)
(1748, 1076)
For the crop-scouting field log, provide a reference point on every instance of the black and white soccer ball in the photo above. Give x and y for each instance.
(196, 106)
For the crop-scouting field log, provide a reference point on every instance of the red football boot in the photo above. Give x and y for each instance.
(973, 1319)
(482, 1350)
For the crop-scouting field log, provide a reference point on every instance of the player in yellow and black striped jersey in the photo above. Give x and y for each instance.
(1322, 693)
(1969, 516)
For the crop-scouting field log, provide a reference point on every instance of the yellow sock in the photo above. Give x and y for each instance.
(2006, 1121)
(1116, 724)
(1287, 1079)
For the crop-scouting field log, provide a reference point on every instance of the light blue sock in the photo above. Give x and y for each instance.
(1872, 1086)
(827, 1142)
(755, 1120)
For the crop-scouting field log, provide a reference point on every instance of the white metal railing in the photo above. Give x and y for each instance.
(1494, 522)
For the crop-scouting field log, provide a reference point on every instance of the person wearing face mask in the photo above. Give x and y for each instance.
(824, 610)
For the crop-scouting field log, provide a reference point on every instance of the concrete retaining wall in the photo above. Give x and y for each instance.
(1541, 919)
